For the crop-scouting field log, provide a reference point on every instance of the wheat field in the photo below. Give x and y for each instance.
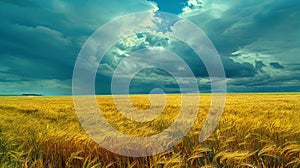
(255, 130)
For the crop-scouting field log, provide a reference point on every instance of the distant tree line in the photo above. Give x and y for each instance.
(32, 94)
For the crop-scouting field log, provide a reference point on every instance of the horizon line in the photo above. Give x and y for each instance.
(203, 93)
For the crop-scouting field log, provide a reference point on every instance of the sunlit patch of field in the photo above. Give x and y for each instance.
(255, 130)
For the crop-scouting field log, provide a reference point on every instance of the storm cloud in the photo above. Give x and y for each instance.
(258, 42)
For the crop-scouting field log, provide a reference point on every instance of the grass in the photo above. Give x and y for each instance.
(255, 130)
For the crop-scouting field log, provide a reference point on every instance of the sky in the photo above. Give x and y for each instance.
(258, 42)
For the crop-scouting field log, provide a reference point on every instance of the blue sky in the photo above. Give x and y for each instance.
(258, 42)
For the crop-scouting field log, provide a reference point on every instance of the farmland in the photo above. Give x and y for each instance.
(255, 130)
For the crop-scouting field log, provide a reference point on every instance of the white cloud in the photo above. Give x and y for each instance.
(154, 5)
(195, 3)
(196, 7)
(192, 6)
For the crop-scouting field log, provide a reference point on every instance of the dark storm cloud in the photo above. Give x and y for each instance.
(259, 65)
(232, 69)
(260, 37)
(265, 83)
(39, 40)
(276, 65)
(35, 51)
(236, 24)
(236, 70)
